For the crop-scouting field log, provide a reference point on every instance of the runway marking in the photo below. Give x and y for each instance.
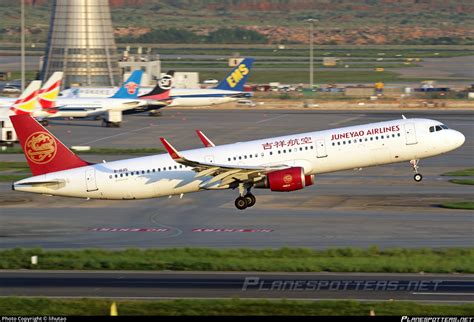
(270, 119)
(230, 230)
(134, 230)
(176, 234)
(346, 120)
(115, 135)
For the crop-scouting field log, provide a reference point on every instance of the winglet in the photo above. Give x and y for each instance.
(174, 154)
(403, 116)
(207, 143)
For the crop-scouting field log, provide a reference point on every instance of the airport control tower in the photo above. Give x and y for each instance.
(81, 43)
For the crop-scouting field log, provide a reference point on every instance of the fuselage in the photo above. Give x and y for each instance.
(83, 107)
(179, 96)
(316, 152)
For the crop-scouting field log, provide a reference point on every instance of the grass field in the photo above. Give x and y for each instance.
(292, 77)
(267, 260)
(12, 306)
(469, 205)
(462, 181)
(460, 173)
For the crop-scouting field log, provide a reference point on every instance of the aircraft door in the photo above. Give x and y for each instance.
(91, 184)
(410, 134)
(321, 149)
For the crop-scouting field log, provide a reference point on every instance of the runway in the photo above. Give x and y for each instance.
(306, 286)
(380, 206)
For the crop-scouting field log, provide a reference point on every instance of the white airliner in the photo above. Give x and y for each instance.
(285, 163)
(126, 98)
(230, 89)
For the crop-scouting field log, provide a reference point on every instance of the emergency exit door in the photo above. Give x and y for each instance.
(321, 149)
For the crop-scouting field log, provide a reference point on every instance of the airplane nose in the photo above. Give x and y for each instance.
(459, 138)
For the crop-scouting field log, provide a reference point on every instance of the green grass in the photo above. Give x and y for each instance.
(12, 306)
(463, 181)
(12, 177)
(114, 151)
(301, 65)
(469, 205)
(292, 77)
(19, 166)
(460, 173)
(285, 260)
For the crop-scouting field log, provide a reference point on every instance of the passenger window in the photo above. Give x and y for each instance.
(338, 143)
(271, 153)
(245, 157)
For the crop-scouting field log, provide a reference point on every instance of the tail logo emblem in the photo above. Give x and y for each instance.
(165, 82)
(131, 87)
(40, 148)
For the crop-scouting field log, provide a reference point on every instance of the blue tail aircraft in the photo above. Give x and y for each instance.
(230, 89)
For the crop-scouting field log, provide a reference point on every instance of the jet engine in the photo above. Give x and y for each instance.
(290, 179)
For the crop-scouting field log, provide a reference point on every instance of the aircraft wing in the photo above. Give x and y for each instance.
(223, 175)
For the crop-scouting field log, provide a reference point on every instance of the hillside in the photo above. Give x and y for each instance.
(279, 21)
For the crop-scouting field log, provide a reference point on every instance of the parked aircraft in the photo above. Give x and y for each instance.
(230, 89)
(47, 94)
(285, 163)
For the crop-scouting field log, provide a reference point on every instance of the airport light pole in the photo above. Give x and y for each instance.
(22, 45)
(311, 62)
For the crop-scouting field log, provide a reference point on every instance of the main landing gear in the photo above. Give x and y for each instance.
(417, 177)
(245, 201)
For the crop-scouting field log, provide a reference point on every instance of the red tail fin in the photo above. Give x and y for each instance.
(43, 151)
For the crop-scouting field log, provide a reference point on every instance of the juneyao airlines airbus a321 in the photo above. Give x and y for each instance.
(285, 163)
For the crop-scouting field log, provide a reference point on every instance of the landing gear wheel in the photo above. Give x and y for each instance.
(250, 199)
(241, 203)
(418, 177)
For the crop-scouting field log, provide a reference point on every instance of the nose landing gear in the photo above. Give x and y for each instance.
(417, 177)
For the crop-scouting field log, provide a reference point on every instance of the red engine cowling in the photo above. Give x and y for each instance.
(290, 179)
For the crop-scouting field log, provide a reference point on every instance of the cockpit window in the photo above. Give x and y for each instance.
(438, 128)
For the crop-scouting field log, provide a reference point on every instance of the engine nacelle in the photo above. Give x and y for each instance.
(290, 179)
